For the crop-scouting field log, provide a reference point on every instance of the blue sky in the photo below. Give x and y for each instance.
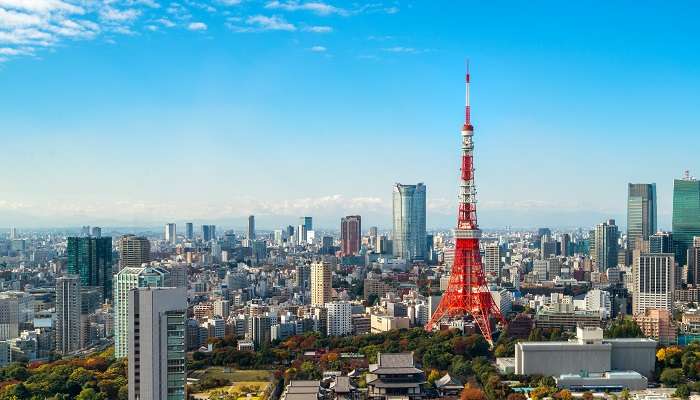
(139, 112)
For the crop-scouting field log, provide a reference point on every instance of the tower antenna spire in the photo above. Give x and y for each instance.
(467, 106)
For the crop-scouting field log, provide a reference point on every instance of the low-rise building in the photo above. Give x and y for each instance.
(658, 324)
(395, 376)
(386, 323)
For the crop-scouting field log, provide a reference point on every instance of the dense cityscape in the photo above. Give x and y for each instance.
(349, 200)
(301, 313)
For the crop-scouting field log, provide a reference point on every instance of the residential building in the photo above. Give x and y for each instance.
(654, 282)
(320, 283)
(492, 260)
(658, 324)
(68, 311)
(156, 353)
(126, 280)
(339, 318)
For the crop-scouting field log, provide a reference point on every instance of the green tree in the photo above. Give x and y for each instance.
(682, 391)
(672, 376)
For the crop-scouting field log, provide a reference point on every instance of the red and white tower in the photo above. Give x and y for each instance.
(467, 293)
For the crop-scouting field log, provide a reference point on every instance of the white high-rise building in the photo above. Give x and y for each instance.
(16, 310)
(654, 282)
(157, 343)
(320, 283)
(599, 300)
(68, 306)
(124, 281)
(492, 260)
(339, 318)
(170, 233)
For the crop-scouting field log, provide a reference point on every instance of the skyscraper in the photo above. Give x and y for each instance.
(170, 233)
(564, 242)
(492, 260)
(686, 215)
(320, 283)
(661, 242)
(189, 231)
(68, 310)
(409, 221)
(694, 262)
(125, 280)
(96, 231)
(350, 234)
(654, 282)
(606, 235)
(641, 213)
(251, 227)
(208, 232)
(157, 345)
(133, 251)
(307, 222)
(91, 259)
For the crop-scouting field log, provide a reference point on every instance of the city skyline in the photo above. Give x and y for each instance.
(551, 109)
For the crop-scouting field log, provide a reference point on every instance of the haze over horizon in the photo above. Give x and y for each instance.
(143, 112)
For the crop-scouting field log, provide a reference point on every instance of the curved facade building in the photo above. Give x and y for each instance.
(409, 221)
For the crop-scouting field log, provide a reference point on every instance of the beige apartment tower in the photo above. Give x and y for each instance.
(320, 283)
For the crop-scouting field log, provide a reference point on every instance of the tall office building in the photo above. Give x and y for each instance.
(251, 227)
(133, 251)
(68, 310)
(686, 215)
(694, 262)
(301, 234)
(351, 234)
(641, 213)
(564, 243)
(91, 259)
(606, 236)
(208, 232)
(125, 280)
(259, 329)
(16, 313)
(13, 233)
(654, 282)
(189, 231)
(492, 260)
(307, 222)
(320, 283)
(661, 242)
(96, 231)
(339, 314)
(170, 233)
(303, 276)
(409, 221)
(548, 247)
(156, 354)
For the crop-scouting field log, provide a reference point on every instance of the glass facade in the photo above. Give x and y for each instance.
(686, 216)
(176, 354)
(409, 242)
(91, 259)
(641, 213)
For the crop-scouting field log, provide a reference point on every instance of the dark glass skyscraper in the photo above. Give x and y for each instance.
(686, 215)
(91, 259)
(641, 213)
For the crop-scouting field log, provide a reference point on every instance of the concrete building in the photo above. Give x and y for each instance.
(606, 236)
(386, 323)
(599, 300)
(170, 233)
(654, 282)
(68, 311)
(589, 352)
(492, 260)
(124, 281)
(599, 382)
(657, 324)
(350, 234)
(320, 283)
(157, 343)
(339, 318)
(134, 251)
(16, 313)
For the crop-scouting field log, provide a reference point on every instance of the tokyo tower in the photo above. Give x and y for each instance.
(467, 293)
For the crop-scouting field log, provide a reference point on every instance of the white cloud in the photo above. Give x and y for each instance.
(318, 49)
(229, 2)
(406, 50)
(273, 23)
(319, 29)
(112, 14)
(317, 7)
(13, 19)
(197, 26)
(165, 22)
(42, 6)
